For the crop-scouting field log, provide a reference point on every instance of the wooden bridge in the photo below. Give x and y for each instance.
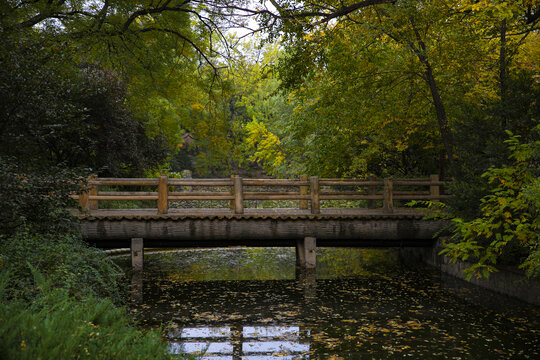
(326, 212)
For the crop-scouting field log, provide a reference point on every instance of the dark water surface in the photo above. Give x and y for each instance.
(360, 304)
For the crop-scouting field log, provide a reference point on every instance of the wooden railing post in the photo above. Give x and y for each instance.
(434, 190)
(388, 202)
(315, 201)
(238, 195)
(93, 191)
(83, 201)
(163, 194)
(231, 203)
(372, 190)
(304, 190)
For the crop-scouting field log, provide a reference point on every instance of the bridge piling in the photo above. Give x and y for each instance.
(137, 254)
(306, 253)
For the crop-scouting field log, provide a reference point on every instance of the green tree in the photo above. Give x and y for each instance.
(508, 229)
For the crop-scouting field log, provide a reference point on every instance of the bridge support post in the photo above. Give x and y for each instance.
(137, 254)
(306, 253)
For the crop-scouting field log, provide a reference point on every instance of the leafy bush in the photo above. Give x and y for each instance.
(64, 260)
(57, 326)
(509, 227)
(39, 199)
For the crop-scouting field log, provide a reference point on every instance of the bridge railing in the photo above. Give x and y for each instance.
(308, 191)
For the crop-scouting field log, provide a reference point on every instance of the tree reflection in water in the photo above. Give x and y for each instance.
(253, 304)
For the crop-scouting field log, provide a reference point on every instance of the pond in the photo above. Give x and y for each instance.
(253, 304)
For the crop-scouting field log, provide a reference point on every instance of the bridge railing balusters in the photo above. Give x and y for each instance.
(308, 190)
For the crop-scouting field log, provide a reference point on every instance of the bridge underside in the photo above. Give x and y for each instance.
(358, 227)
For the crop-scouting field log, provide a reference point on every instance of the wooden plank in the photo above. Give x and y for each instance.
(350, 182)
(238, 195)
(323, 192)
(284, 193)
(163, 193)
(314, 190)
(127, 193)
(425, 182)
(421, 197)
(114, 197)
(304, 190)
(124, 181)
(199, 193)
(350, 197)
(205, 197)
(263, 196)
(388, 202)
(199, 182)
(274, 182)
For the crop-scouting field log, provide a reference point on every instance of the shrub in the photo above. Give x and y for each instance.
(509, 227)
(57, 326)
(64, 259)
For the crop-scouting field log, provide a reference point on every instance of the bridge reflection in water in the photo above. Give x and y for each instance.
(242, 342)
(359, 303)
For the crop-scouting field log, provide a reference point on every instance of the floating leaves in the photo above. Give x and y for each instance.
(388, 312)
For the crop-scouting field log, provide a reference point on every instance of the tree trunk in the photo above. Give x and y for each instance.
(503, 75)
(440, 111)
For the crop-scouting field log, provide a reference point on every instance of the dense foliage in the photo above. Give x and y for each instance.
(508, 230)
(57, 326)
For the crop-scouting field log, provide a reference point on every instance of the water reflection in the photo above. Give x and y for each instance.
(243, 342)
(253, 304)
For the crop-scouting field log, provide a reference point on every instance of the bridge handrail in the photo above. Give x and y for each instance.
(310, 190)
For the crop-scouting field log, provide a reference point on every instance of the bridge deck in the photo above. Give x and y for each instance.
(279, 213)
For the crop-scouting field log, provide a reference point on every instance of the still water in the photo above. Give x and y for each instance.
(241, 303)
